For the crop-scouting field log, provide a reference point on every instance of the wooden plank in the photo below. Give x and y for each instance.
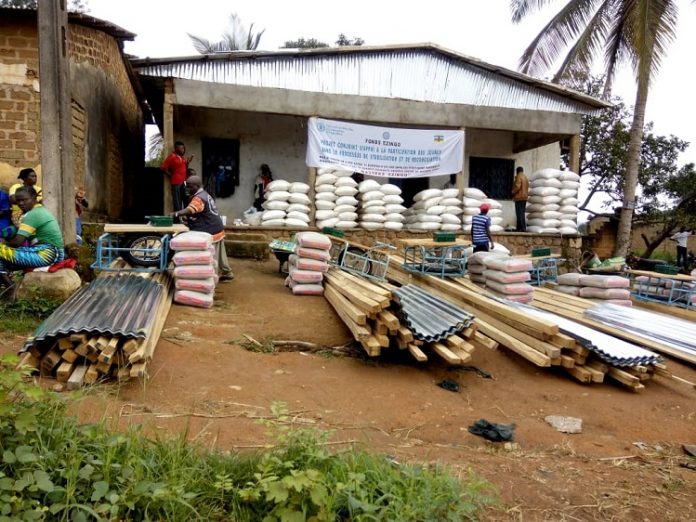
(404, 334)
(383, 340)
(579, 359)
(338, 302)
(353, 294)
(562, 341)
(70, 355)
(597, 365)
(567, 362)
(64, 371)
(64, 343)
(380, 328)
(446, 353)
(103, 368)
(29, 360)
(369, 286)
(78, 338)
(581, 373)
(389, 319)
(417, 353)
(82, 349)
(138, 371)
(123, 374)
(454, 341)
(465, 357)
(486, 341)
(131, 345)
(372, 346)
(50, 362)
(623, 377)
(77, 377)
(597, 376)
(125, 227)
(91, 375)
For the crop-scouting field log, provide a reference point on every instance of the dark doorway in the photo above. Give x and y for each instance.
(494, 176)
(410, 187)
(148, 196)
(220, 166)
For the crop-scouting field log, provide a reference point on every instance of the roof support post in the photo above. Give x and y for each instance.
(460, 175)
(56, 117)
(311, 180)
(168, 136)
(574, 153)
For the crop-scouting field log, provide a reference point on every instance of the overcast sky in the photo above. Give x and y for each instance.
(478, 28)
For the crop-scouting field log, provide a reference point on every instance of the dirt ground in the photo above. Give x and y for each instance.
(625, 465)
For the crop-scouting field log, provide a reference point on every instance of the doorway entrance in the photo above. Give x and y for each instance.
(220, 166)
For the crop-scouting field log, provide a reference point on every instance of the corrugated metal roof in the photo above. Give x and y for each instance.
(423, 72)
(428, 317)
(74, 18)
(118, 305)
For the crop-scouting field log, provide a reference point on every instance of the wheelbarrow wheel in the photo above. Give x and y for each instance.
(142, 251)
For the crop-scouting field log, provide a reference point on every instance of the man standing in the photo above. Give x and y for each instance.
(681, 238)
(202, 216)
(175, 166)
(520, 194)
(481, 230)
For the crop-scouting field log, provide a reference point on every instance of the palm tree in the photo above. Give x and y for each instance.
(235, 38)
(633, 31)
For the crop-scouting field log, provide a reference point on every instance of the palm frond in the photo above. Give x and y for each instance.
(557, 35)
(653, 24)
(617, 49)
(202, 45)
(521, 8)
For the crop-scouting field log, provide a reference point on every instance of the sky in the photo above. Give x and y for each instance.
(478, 28)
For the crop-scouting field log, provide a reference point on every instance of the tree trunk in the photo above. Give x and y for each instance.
(651, 246)
(623, 236)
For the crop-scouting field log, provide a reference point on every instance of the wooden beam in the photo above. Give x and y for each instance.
(417, 353)
(77, 377)
(357, 316)
(446, 354)
(338, 302)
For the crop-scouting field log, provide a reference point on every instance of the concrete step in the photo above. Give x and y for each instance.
(247, 249)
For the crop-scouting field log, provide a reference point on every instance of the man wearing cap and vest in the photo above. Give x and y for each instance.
(481, 230)
(202, 216)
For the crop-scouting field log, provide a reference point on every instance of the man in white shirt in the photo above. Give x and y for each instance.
(681, 238)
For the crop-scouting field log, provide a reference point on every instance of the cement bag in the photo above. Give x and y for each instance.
(324, 196)
(544, 200)
(324, 205)
(393, 225)
(568, 209)
(390, 190)
(393, 199)
(509, 288)
(496, 220)
(371, 225)
(325, 179)
(191, 241)
(466, 229)
(543, 182)
(521, 298)
(472, 202)
(475, 268)
(297, 207)
(373, 195)
(568, 223)
(303, 199)
(279, 185)
(568, 231)
(331, 222)
(194, 271)
(325, 188)
(470, 211)
(321, 215)
(544, 191)
(345, 225)
(313, 240)
(568, 175)
(189, 298)
(507, 277)
(298, 188)
(545, 223)
(428, 218)
(290, 222)
(545, 174)
(326, 170)
(206, 286)
(273, 214)
(620, 302)
(602, 281)
(451, 202)
(435, 210)
(193, 257)
(567, 193)
(427, 194)
(273, 223)
(319, 254)
(346, 182)
(306, 276)
(496, 228)
(450, 193)
(340, 209)
(551, 230)
(571, 185)
(394, 217)
(427, 226)
(348, 216)
(346, 191)
(280, 195)
(568, 290)
(455, 211)
(605, 293)
(368, 185)
(301, 216)
(534, 229)
(343, 173)
(550, 214)
(449, 219)
(474, 193)
(569, 279)
(477, 278)
(374, 218)
(303, 263)
(275, 205)
(495, 212)
(495, 204)
(509, 264)
(376, 209)
(308, 289)
(373, 203)
(573, 202)
(449, 227)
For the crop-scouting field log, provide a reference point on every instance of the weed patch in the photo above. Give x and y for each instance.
(23, 315)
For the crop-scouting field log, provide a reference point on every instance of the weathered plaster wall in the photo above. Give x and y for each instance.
(107, 121)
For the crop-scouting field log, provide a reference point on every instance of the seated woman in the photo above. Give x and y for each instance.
(40, 229)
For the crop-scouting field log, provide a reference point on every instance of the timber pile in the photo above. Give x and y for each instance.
(538, 340)
(370, 313)
(81, 359)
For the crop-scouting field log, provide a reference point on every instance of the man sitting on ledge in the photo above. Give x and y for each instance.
(38, 241)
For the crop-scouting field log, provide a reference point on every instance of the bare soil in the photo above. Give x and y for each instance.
(625, 465)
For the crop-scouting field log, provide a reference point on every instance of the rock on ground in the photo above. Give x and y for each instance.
(57, 285)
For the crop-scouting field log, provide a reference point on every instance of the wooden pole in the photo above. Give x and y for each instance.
(311, 180)
(574, 153)
(56, 116)
(168, 136)
(460, 175)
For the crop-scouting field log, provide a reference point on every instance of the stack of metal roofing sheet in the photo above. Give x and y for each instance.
(123, 305)
(430, 318)
(677, 334)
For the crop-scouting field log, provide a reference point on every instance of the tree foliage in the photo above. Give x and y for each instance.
(235, 38)
(74, 6)
(343, 41)
(313, 43)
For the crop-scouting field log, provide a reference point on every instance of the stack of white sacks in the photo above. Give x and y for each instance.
(473, 199)
(287, 204)
(309, 263)
(553, 202)
(380, 206)
(613, 289)
(504, 276)
(435, 209)
(335, 199)
(195, 275)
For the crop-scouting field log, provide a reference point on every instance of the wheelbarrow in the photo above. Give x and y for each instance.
(282, 251)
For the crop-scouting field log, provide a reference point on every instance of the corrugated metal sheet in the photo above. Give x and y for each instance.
(423, 74)
(122, 305)
(428, 317)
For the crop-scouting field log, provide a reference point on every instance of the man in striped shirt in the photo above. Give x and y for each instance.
(481, 230)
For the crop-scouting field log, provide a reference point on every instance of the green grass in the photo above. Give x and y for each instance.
(53, 468)
(24, 315)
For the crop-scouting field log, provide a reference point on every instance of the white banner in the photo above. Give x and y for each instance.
(384, 151)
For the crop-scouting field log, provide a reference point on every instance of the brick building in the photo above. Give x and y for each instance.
(107, 114)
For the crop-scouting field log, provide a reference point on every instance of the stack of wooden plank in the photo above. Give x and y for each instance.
(81, 359)
(368, 310)
(538, 340)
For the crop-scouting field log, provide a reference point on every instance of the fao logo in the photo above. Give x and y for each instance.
(321, 126)
(386, 135)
